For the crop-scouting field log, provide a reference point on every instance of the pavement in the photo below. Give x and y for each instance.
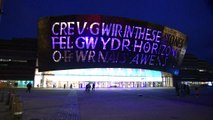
(112, 104)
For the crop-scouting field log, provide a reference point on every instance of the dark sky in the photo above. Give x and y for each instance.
(192, 17)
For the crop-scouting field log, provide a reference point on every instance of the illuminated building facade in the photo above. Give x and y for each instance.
(108, 51)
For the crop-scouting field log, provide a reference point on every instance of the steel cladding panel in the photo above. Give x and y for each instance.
(93, 41)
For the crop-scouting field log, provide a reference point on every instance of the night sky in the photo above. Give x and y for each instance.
(192, 17)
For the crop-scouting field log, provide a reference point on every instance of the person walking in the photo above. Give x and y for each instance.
(88, 86)
(93, 86)
(29, 86)
(177, 89)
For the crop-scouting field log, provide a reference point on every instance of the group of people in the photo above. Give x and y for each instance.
(88, 87)
(182, 89)
(70, 86)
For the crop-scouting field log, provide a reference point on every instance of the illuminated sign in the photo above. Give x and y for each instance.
(93, 41)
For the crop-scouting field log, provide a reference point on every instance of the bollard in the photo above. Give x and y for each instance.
(17, 108)
(13, 100)
(12, 96)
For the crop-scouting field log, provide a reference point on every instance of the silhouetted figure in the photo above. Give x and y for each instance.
(88, 86)
(93, 86)
(197, 91)
(184, 89)
(70, 86)
(54, 85)
(29, 86)
(64, 86)
(187, 89)
(177, 89)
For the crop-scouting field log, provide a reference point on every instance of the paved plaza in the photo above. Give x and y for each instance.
(112, 104)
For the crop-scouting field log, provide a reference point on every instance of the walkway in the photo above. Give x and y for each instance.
(113, 104)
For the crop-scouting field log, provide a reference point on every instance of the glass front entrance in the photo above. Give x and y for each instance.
(103, 78)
